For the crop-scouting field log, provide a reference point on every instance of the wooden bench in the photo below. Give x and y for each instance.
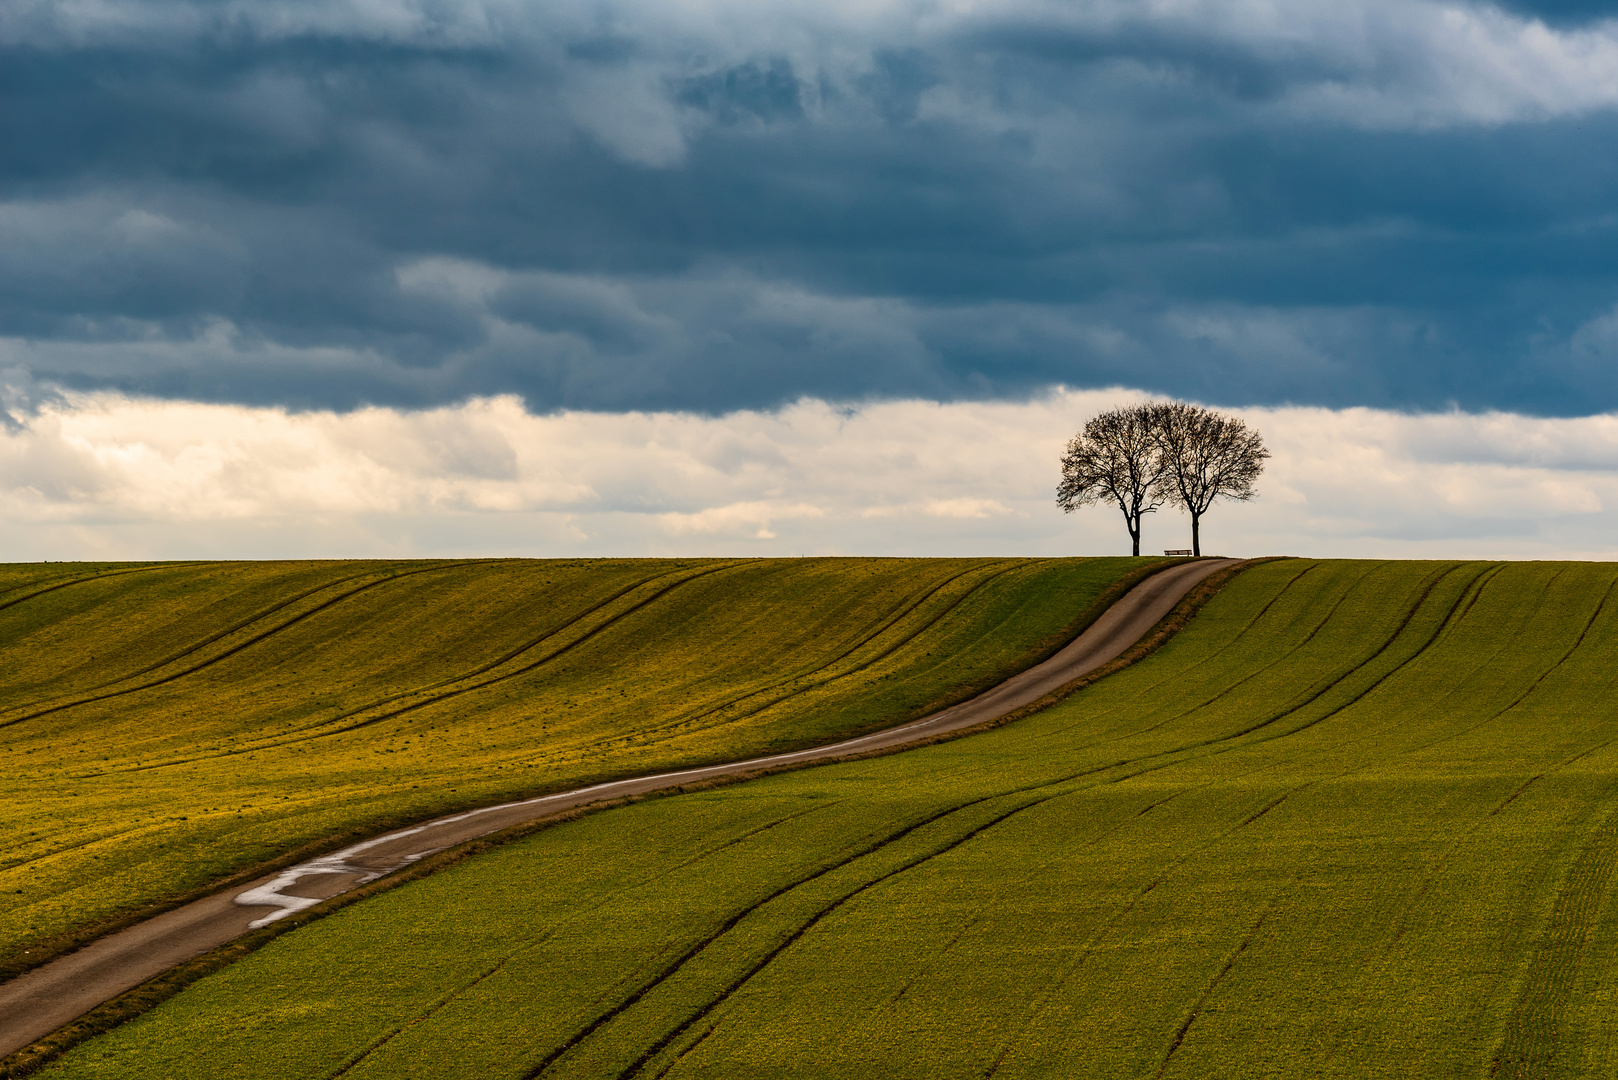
(1177, 551)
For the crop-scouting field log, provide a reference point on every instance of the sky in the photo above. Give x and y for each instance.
(445, 277)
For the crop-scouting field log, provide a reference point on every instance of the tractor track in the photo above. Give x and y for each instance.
(227, 653)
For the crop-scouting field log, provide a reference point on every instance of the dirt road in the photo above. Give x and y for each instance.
(36, 1004)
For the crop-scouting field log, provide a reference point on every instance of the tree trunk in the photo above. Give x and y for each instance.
(1134, 535)
(1196, 539)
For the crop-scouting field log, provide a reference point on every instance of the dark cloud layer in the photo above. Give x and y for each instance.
(620, 206)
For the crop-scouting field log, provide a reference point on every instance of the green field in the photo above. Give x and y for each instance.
(1359, 819)
(164, 726)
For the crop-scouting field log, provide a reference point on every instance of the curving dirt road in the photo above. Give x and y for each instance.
(37, 1003)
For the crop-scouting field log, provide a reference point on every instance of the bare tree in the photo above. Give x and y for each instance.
(1205, 456)
(1116, 458)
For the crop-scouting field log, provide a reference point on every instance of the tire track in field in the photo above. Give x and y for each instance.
(1529, 1046)
(1485, 574)
(1225, 743)
(239, 625)
(242, 624)
(101, 576)
(226, 654)
(1109, 767)
(1606, 596)
(862, 643)
(588, 635)
(433, 1010)
(511, 654)
(673, 968)
(80, 580)
(1589, 624)
(1356, 669)
(1124, 912)
(188, 650)
(468, 987)
(741, 838)
(1579, 641)
(433, 699)
(1558, 767)
(79, 843)
(1208, 992)
(791, 939)
(902, 609)
(1283, 658)
(61, 577)
(683, 1054)
(1049, 994)
(1225, 739)
(1289, 710)
(1585, 632)
(71, 580)
(947, 948)
(826, 910)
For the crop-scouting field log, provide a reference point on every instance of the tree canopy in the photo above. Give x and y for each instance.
(1142, 456)
(1115, 459)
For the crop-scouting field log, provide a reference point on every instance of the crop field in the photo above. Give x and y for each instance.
(164, 726)
(1358, 819)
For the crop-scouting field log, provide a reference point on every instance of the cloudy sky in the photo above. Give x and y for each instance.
(776, 276)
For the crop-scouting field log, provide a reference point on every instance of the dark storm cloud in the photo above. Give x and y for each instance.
(1563, 12)
(613, 206)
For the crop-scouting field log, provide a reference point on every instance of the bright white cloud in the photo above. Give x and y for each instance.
(107, 476)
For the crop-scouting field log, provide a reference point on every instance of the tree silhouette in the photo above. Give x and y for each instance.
(1117, 457)
(1204, 456)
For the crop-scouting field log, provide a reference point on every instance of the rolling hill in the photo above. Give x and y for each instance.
(166, 727)
(1358, 819)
